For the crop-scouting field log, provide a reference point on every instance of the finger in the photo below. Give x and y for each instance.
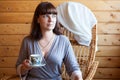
(27, 60)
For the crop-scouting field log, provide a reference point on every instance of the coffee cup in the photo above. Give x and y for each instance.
(35, 60)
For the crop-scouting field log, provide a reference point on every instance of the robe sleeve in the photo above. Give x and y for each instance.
(70, 60)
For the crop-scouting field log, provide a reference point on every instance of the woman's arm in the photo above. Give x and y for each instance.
(22, 63)
(71, 64)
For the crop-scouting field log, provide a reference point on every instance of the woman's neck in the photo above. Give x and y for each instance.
(47, 35)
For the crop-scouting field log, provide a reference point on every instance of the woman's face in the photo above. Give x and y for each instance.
(47, 21)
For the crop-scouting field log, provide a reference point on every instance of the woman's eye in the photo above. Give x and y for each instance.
(45, 16)
(53, 15)
(49, 15)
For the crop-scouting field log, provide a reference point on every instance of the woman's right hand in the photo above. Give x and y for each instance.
(26, 65)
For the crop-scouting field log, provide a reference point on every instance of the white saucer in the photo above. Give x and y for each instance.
(37, 65)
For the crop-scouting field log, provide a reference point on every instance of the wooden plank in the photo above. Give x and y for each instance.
(15, 28)
(100, 4)
(29, 5)
(108, 73)
(109, 40)
(11, 51)
(109, 62)
(11, 39)
(7, 62)
(16, 17)
(16, 6)
(107, 16)
(103, 51)
(108, 51)
(54, 2)
(27, 17)
(102, 28)
(108, 28)
(104, 62)
(102, 39)
(7, 71)
(102, 73)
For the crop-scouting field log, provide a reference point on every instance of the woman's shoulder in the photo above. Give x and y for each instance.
(63, 37)
(27, 39)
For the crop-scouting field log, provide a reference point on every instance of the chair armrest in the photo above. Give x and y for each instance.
(92, 70)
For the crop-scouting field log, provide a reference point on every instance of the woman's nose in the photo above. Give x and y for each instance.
(50, 18)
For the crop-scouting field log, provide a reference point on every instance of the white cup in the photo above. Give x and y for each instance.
(35, 60)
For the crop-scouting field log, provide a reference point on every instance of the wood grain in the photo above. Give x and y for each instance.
(104, 62)
(102, 73)
(22, 5)
(15, 21)
(102, 28)
(27, 17)
(113, 51)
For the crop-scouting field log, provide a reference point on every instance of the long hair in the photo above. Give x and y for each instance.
(41, 9)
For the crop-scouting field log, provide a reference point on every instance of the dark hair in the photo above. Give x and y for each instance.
(42, 8)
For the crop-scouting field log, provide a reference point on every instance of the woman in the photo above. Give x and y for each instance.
(46, 39)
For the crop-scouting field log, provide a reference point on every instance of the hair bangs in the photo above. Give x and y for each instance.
(48, 9)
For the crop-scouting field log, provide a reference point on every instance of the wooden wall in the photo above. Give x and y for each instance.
(15, 19)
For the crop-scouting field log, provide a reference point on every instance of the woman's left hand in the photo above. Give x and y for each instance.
(77, 77)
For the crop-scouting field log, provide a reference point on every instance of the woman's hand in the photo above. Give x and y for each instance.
(25, 66)
(78, 77)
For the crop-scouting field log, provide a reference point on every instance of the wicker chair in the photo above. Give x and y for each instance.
(85, 56)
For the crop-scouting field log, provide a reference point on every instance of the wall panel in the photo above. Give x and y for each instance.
(15, 21)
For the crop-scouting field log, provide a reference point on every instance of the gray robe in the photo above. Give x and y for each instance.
(61, 52)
